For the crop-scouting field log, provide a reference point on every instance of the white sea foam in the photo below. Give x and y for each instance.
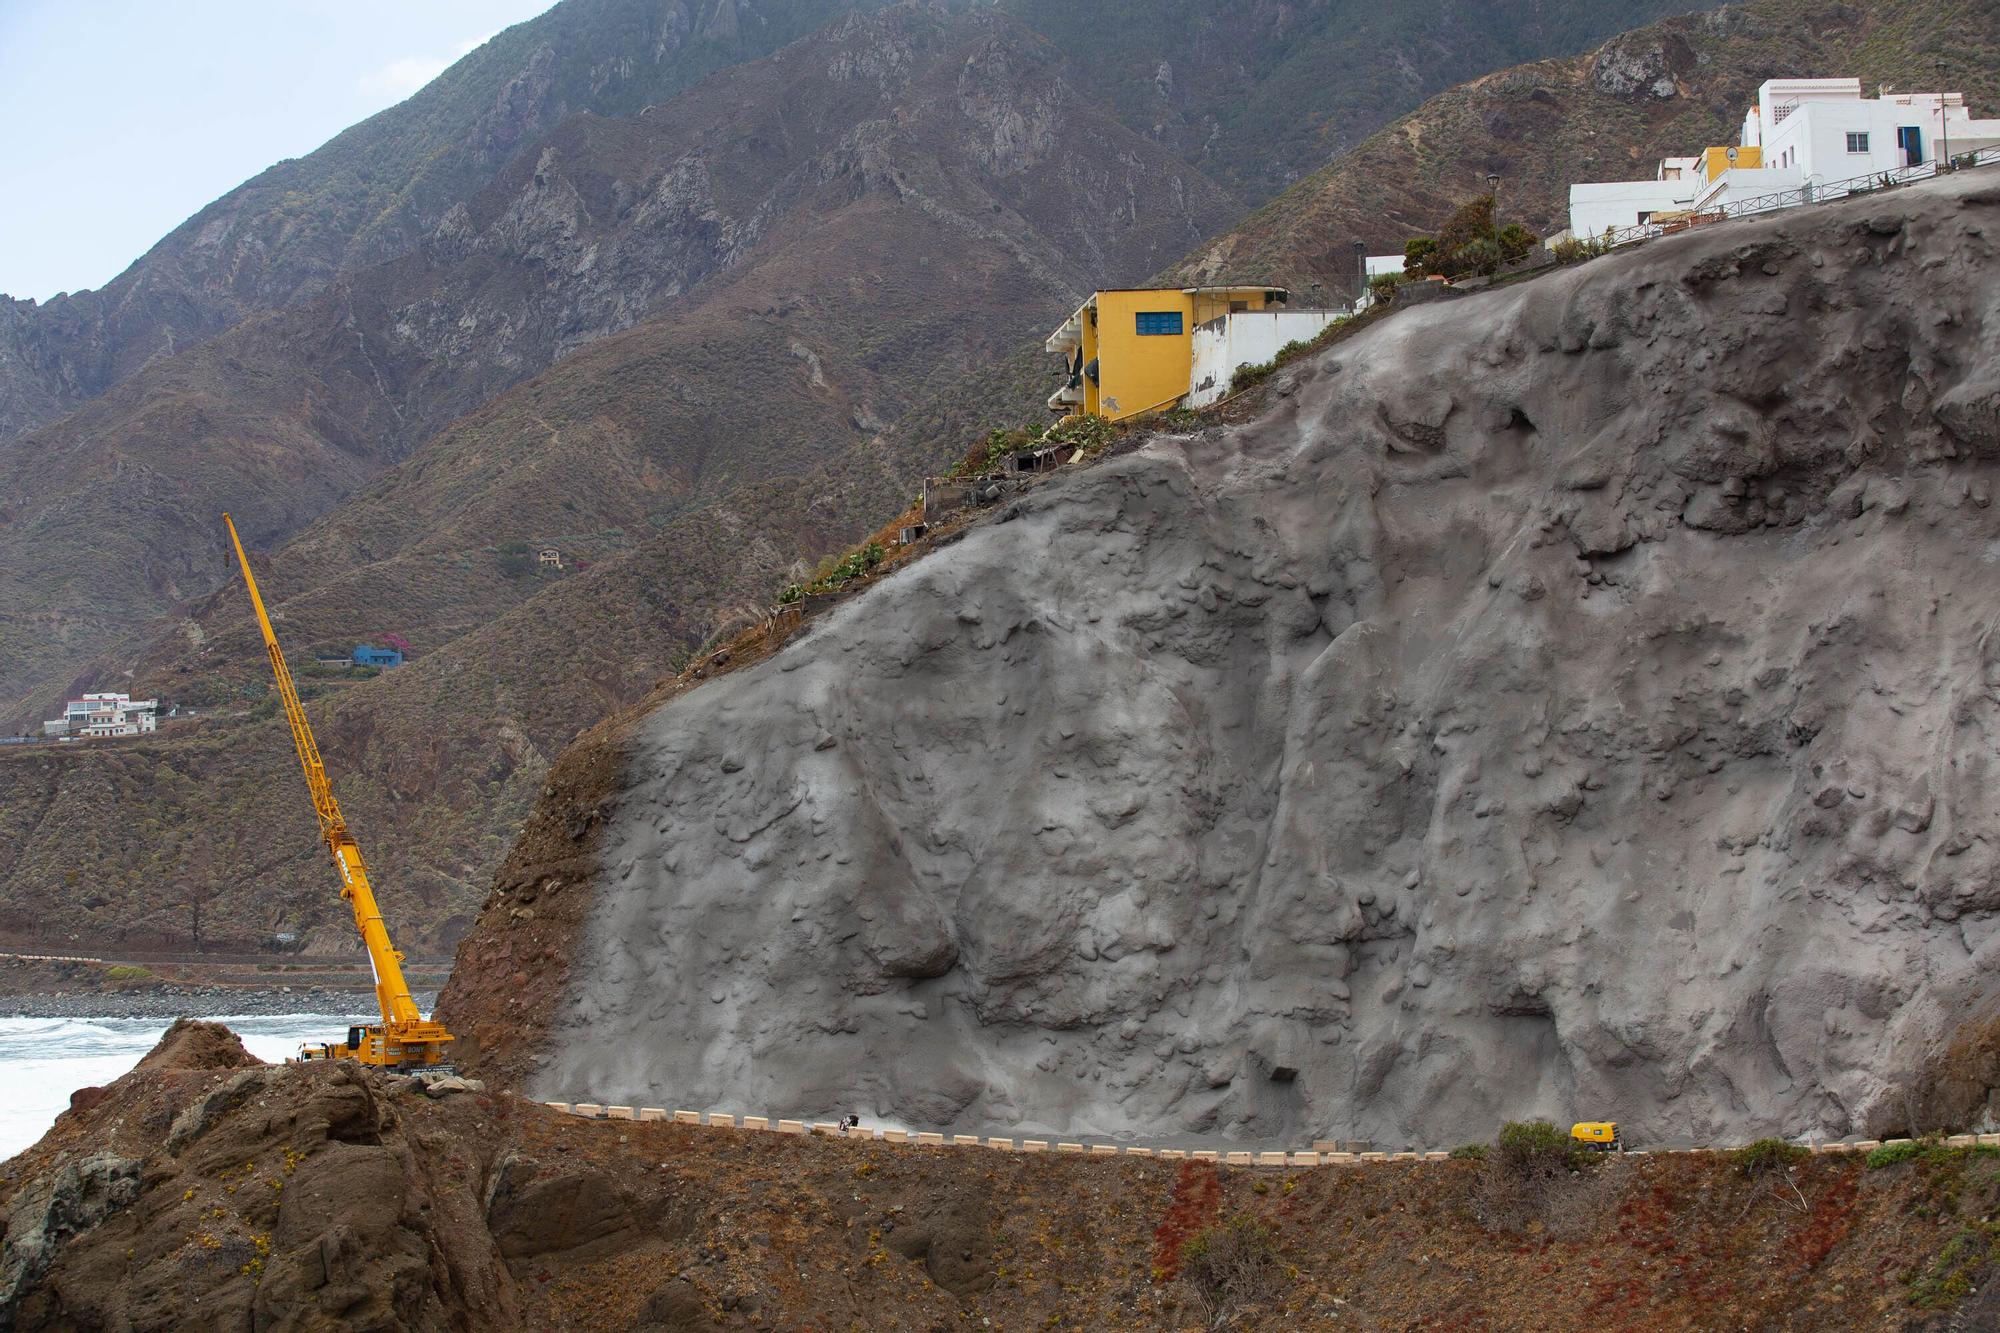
(43, 1060)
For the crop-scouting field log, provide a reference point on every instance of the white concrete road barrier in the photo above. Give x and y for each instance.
(1324, 1152)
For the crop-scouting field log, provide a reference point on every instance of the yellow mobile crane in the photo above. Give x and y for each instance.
(404, 1039)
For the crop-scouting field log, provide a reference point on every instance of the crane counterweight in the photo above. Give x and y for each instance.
(404, 1039)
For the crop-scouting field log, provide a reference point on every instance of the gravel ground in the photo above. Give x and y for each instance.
(197, 1002)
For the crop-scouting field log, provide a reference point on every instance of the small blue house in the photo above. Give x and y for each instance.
(368, 655)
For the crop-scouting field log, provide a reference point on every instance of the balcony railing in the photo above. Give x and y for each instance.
(1812, 192)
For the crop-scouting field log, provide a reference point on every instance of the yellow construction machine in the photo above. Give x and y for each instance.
(1597, 1135)
(404, 1039)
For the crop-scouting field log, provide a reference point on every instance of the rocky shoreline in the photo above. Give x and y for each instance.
(205, 1190)
(170, 1002)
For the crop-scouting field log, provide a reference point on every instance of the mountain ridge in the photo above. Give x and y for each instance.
(368, 195)
(590, 231)
(661, 447)
(373, 192)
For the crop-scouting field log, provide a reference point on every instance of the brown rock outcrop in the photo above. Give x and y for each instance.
(329, 1198)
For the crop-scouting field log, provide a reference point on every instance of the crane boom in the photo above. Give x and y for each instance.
(405, 1036)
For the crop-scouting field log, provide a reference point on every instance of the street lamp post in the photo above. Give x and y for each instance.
(1361, 268)
(1944, 124)
(1493, 189)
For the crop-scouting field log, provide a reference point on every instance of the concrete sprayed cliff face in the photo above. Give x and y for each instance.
(1572, 700)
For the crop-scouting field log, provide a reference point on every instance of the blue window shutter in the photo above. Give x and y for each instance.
(1161, 323)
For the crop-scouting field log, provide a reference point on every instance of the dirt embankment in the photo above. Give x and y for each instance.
(514, 970)
(205, 1191)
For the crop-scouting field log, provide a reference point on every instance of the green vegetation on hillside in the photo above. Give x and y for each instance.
(1470, 242)
(1234, 1264)
(1767, 1155)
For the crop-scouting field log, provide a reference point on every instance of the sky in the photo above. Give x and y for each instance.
(120, 119)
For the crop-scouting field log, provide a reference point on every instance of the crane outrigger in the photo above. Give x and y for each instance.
(404, 1039)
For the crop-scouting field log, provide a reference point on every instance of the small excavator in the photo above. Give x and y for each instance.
(404, 1040)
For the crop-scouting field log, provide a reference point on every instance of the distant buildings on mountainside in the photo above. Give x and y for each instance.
(1130, 352)
(100, 715)
(366, 655)
(1800, 135)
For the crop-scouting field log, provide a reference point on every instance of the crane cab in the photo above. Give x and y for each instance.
(1597, 1135)
(335, 1050)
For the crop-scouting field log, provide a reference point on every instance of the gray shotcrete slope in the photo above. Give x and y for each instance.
(1573, 700)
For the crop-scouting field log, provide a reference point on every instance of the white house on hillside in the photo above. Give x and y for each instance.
(1609, 205)
(104, 715)
(1825, 128)
(1813, 131)
(1800, 133)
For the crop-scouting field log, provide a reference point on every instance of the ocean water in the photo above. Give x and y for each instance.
(43, 1060)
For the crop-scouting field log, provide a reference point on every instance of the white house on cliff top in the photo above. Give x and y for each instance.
(1799, 133)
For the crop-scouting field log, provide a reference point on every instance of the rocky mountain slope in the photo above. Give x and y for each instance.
(974, 206)
(1260, 94)
(1254, 97)
(687, 459)
(1562, 700)
(1611, 114)
(950, 164)
(436, 762)
(378, 191)
(355, 302)
(203, 1191)
(681, 466)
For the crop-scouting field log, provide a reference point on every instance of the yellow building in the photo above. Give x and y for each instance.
(1715, 161)
(1130, 350)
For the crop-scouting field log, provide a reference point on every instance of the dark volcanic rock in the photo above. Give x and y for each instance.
(1451, 744)
(76, 1198)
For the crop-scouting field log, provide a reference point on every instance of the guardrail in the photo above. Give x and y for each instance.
(1821, 192)
(1322, 1153)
